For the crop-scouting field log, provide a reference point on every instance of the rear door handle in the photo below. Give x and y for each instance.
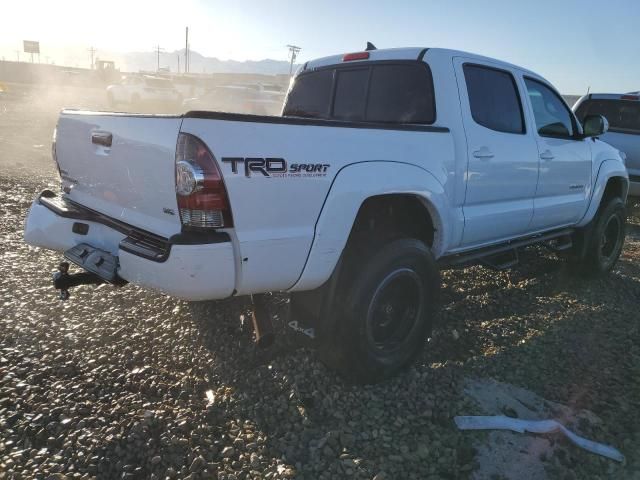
(484, 152)
(102, 138)
(547, 155)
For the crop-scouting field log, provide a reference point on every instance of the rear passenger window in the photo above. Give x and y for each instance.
(351, 94)
(494, 99)
(401, 94)
(311, 95)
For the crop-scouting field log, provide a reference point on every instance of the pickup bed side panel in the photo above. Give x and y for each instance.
(352, 186)
(275, 212)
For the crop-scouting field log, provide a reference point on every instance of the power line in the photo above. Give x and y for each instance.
(186, 50)
(92, 51)
(158, 50)
(293, 52)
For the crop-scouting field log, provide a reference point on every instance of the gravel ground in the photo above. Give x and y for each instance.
(123, 383)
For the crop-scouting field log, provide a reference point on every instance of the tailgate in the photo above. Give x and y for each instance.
(121, 166)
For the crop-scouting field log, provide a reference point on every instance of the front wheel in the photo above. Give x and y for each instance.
(598, 246)
(385, 312)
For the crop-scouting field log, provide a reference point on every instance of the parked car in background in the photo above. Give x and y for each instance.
(136, 90)
(622, 111)
(190, 86)
(252, 99)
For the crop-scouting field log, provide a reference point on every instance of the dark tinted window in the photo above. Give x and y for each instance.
(623, 115)
(389, 93)
(494, 99)
(553, 117)
(311, 95)
(351, 94)
(401, 94)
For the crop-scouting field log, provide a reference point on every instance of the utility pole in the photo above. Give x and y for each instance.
(92, 51)
(178, 55)
(293, 52)
(158, 50)
(186, 51)
(18, 55)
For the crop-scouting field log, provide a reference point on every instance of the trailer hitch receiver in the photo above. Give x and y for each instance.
(63, 280)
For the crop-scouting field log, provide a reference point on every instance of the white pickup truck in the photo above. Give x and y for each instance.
(385, 166)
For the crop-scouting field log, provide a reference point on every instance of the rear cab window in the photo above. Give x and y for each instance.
(311, 95)
(623, 115)
(379, 92)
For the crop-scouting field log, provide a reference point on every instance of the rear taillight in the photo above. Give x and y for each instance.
(202, 195)
(630, 97)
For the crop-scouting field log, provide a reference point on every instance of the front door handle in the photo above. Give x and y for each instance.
(484, 152)
(547, 155)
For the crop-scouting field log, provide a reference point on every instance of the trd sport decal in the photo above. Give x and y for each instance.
(276, 167)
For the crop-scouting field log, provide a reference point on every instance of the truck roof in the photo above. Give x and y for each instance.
(613, 96)
(629, 96)
(408, 53)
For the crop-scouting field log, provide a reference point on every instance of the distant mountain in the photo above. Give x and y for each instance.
(148, 61)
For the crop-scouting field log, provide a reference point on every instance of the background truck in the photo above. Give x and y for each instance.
(622, 111)
(138, 90)
(386, 166)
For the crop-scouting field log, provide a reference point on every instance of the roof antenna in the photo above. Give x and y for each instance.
(370, 46)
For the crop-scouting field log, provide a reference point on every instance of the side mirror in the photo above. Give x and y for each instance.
(595, 125)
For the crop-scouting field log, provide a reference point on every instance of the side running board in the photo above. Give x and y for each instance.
(505, 255)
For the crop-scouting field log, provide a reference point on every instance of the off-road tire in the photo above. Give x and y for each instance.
(384, 311)
(597, 246)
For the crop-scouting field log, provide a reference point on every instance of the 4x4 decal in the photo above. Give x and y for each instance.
(275, 167)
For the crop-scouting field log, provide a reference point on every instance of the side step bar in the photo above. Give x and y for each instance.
(501, 261)
(497, 256)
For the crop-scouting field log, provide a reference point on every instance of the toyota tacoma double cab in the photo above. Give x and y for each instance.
(384, 167)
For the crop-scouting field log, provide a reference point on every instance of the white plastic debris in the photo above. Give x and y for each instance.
(500, 422)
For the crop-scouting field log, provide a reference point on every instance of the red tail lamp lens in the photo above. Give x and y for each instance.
(202, 196)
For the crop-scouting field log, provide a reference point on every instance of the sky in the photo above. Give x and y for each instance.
(575, 44)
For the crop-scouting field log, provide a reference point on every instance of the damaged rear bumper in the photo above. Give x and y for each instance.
(190, 266)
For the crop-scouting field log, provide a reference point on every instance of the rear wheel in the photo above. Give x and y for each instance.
(385, 312)
(598, 246)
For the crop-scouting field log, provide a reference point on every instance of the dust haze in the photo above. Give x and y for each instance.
(32, 95)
